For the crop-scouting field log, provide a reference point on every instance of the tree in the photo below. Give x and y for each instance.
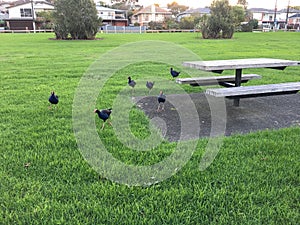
(125, 2)
(170, 23)
(46, 17)
(76, 18)
(176, 8)
(244, 3)
(249, 26)
(220, 24)
(239, 15)
(295, 7)
(189, 22)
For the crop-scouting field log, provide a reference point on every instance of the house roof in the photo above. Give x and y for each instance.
(102, 8)
(197, 10)
(23, 2)
(152, 9)
(261, 10)
(295, 16)
(291, 10)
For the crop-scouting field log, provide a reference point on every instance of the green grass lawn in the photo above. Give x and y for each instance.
(253, 180)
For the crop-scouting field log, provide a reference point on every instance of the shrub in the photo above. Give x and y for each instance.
(220, 24)
(78, 19)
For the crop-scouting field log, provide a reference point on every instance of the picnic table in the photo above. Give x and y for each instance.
(233, 83)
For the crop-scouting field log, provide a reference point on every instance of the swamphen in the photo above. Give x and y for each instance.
(174, 73)
(131, 83)
(149, 85)
(53, 99)
(161, 98)
(103, 114)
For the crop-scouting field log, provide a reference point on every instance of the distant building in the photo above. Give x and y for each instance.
(266, 17)
(149, 14)
(113, 17)
(195, 12)
(23, 15)
(294, 21)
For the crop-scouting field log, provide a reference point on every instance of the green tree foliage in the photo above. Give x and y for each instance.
(77, 19)
(47, 19)
(123, 1)
(248, 27)
(295, 7)
(175, 8)
(220, 24)
(244, 3)
(155, 25)
(170, 23)
(238, 15)
(189, 22)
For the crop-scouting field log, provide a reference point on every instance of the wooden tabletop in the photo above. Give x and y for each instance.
(219, 65)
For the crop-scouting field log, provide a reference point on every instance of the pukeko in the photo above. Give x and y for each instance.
(150, 85)
(161, 98)
(103, 114)
(174, 73)
(131, 83)
(53, 99)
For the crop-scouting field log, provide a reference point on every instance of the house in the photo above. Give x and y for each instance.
(193, 12)
(266, 17)
(23, 15)
(294, 21)
(149, 14)
(113, 17)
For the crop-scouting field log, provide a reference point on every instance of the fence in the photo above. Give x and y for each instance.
(123, 29)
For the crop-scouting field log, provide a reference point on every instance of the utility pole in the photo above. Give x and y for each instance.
(32, 12)
(287, 15)
(275, 19)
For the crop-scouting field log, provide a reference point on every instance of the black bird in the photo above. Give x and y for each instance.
(131, 83)
(161, 98)
(103, 114)
(174, 73)
(150, 85)
(53, 99)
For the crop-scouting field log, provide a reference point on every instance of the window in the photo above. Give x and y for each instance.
(25, 12)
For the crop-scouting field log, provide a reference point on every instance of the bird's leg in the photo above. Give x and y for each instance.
(103, 126)
(109, 123)
(158, 108)
(163, 107)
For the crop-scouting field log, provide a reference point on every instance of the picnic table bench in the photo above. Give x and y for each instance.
(235, 91)
(226, 81)
(256, 91)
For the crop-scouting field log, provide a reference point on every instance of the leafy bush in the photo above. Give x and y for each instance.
(248, 27)
(220, 24)
(187, 23)
(155, 25)
(79, 19)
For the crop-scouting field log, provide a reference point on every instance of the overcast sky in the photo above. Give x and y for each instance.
(269, 4)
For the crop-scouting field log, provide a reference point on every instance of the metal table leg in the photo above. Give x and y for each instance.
(238, 80)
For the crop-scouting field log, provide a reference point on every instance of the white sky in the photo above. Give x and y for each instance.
(269, 4)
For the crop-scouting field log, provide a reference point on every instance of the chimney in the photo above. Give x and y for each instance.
(153, 8)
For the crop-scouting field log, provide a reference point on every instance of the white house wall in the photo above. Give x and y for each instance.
(14, 12)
